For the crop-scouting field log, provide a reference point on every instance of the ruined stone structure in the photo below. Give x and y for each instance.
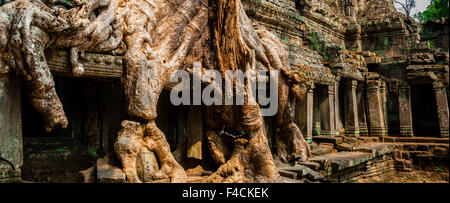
(372, 97)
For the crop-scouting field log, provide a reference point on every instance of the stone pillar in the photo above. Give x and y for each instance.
(351, 122)
(336, 105)
(442, 107)
(310, 110)
(11, 150)
(361, 103)
(316, 114)
(383, 94)
(375, 116)
(405, 116)
(326, 106)
(195, 132)
(305, 116)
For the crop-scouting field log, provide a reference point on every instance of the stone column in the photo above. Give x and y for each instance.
(383, 94)
(327, 110)
(405, 116)
(442, 107)
(375, 117)
(11, 150)
(336, 105)
(310, 110)
(316, 114)
(361, 110)
(305, 115)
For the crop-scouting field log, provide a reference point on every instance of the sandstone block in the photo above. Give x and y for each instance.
(107, 173)
(311, 165)
(344, 147)
(287, 174)
(323, 148)
(146, 165)
(328, 139)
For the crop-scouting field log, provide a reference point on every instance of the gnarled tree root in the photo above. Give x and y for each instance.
(133, 137)
(250, 161)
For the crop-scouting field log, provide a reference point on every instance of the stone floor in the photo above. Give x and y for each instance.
(366, 160)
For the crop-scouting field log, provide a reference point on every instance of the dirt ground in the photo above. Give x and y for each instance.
(410, 177)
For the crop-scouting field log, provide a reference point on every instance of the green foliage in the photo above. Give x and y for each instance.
(316, 132)
(430, 45)
(92, 151)
(317, 43)
(386, 41)
(436, 10)
(298, 17)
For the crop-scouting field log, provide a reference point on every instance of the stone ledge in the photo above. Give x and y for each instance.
(96, 65)
(417, 139)
(376, 149)
(328, 139)
(338, 161)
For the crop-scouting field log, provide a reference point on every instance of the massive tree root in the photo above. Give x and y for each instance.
(289, 141)
(220, 35)
(28, 27)
(24, 26)
(250, 159)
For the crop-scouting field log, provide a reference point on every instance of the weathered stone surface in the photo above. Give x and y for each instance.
(96, 65)
(328, 139)
(368, 139)
(88, 175)
(287, 174)
(341, 160)
(376, 149)
(303, 171)
(417, 139)
(311, 165)
(351, 139)
(146, 165)
(344, 147)
(107, 173)
(323, 148)
(11, 153)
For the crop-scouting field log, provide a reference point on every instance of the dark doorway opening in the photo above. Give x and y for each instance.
(393, 118)
(424, 111)
(94, 109)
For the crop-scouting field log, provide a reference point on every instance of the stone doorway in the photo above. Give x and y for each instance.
(323, 114)
(424, 110)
